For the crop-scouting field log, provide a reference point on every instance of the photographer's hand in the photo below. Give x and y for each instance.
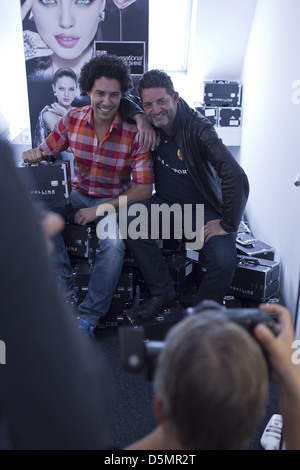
(285, 370)
(52, 224)
(278, 348)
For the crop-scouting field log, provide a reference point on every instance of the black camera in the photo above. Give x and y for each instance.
(246, 317)
(138, 353)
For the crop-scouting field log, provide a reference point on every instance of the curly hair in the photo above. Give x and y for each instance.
(108, 66)
(156, 79)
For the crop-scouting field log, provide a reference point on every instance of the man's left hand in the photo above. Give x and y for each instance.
(86, 215)
(212, 228)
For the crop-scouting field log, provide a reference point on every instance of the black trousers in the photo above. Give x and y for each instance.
(219, 254)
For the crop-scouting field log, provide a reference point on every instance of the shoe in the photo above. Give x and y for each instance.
(86, 326)
(153, 305)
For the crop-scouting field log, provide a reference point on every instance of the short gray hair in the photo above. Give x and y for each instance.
(213, 380)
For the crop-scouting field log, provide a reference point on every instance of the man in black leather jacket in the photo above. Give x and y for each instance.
(191, 166)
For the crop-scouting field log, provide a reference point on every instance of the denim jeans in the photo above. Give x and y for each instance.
(219, 255)
(106, 271)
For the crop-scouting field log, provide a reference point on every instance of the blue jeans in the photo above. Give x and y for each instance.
(106, 271)
(219, 255)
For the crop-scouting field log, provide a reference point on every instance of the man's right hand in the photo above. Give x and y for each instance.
(279, 348)
(33, 155)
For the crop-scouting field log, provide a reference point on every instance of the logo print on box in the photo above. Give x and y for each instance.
(2, 352)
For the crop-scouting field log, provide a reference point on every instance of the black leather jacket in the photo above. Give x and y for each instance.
(213, 168)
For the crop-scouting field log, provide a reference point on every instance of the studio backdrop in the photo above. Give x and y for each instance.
(61, 36)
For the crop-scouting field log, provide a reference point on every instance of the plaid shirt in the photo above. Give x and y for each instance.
(107, 169)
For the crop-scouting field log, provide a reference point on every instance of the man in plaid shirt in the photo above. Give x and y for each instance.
(110, 160)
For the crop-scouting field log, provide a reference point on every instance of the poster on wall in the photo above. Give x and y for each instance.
(61, 36)
(132, 52)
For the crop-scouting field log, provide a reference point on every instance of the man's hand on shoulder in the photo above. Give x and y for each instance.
(146, 131)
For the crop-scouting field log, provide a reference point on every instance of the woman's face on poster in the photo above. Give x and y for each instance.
(65, 89)
(67, 26)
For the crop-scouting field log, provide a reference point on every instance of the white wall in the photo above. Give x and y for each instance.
(13, 88)
(217, 42)
(270, 149)
(219, 37)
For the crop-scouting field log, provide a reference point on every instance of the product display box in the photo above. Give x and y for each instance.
(114, 318)
(222, 93)
(158, 325)
(170, 246)
(256, 278)
(47, 181)
(80, 241)
(257, 249)
(181, 270)
(230, 117)
(81, 277)
(211, 113)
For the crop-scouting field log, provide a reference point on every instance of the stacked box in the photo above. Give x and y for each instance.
(181, 270)
(157, 326)
(222, 93)
(255, 278)
(211, 113)
(81, 277)
(47, 181)
(81, 241)
(257, 249)
(230, 117)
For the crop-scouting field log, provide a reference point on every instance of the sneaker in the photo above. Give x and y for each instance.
(85, 326)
